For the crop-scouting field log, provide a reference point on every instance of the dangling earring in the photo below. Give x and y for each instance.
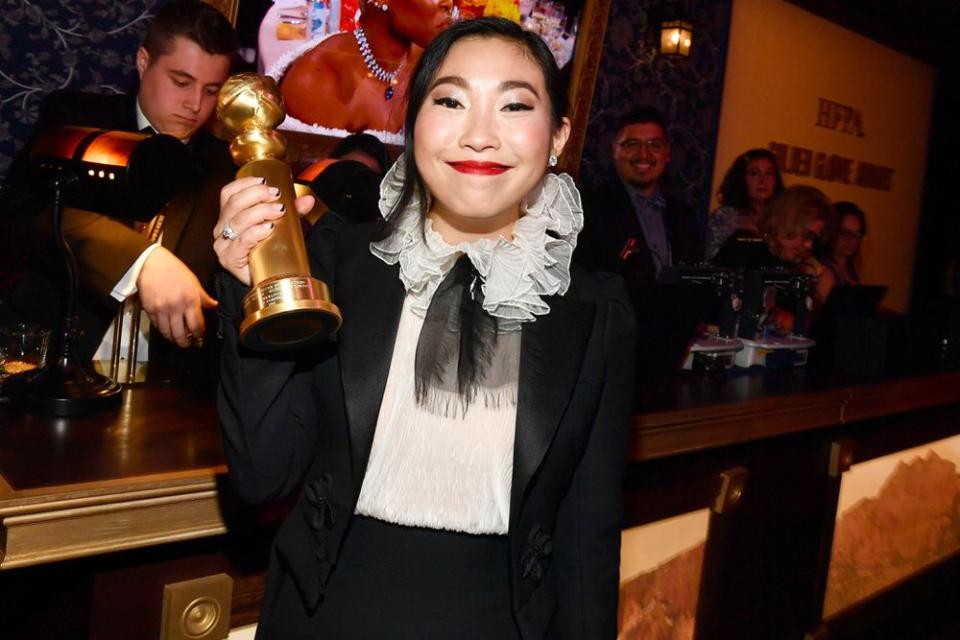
(553, 160)
(382, 6)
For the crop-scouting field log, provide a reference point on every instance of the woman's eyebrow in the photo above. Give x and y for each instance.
(506, 85)
(455, 80)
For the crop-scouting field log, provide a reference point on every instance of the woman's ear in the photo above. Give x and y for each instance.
(560, 137)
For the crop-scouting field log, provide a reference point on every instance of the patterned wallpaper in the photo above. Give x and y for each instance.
(688, 92)
(46, 45)
(90, 45)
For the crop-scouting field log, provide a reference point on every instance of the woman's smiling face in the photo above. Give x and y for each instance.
(483, 136)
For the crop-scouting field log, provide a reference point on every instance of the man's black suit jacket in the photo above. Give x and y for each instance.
(610, 222)
(310, 417)
(106, 249)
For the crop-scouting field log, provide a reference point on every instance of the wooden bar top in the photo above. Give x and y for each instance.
(692, 412)
(147, 473)
(142, 474)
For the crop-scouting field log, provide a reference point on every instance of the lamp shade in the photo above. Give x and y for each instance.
(676, 37)
(120, 174)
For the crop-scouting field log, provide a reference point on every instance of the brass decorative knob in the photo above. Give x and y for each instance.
(200, 617)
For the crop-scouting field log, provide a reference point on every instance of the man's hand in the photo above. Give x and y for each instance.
(173, 298)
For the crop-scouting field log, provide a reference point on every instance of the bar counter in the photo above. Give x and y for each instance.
(140, 475)
(137, 495)
(692, 413)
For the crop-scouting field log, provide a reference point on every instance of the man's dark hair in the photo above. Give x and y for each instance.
(643, 114)
(364, 143)
(194, 20)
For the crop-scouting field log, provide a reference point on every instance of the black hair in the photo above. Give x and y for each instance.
(426, 70)
(845, 208)
(365, 143)
(194, 20)
(642, 114)
(733, 189)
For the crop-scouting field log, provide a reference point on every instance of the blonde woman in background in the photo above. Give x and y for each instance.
(795, 222)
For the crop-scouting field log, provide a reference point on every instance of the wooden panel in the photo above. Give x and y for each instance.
(898, 396)
(140, 475)
(673, 432)
(58, 534)
(152, 474)
(696, 414)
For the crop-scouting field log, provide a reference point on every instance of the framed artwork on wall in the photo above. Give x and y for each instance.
(883, 533)
(353, 91)
(660, 567)
(227, 7)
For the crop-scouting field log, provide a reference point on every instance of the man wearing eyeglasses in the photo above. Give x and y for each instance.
(633, 227)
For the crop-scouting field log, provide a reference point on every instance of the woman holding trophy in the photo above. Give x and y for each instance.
(460, 444)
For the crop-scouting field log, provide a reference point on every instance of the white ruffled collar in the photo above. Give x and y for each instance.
(516, 273)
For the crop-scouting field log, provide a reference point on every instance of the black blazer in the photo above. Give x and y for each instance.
(610, 222)
(313, 419)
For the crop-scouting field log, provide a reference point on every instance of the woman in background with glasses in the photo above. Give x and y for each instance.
(843, 256)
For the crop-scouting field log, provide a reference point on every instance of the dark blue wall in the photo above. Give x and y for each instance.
(53, 44)
(688, 92)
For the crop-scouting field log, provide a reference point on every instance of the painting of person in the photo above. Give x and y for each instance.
(356, 80)
(362, 72)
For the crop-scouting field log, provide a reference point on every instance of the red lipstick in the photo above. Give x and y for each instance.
(479, 168)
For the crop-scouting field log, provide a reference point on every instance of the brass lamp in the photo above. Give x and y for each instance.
(286, 307)
(119, 173)
(111, 172)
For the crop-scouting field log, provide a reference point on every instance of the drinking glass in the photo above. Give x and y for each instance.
(23, 347)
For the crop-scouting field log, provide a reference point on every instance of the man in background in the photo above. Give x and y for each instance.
(632, 226)
(186, 56)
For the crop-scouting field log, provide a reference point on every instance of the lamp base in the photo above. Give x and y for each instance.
(67, 388)
(288, 312)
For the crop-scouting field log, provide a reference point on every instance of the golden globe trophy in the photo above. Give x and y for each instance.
(286, 307)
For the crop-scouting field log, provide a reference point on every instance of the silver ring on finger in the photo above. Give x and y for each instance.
(228, 233)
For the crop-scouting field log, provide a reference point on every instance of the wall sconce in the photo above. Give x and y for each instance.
(668, 33)
(676, 36)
